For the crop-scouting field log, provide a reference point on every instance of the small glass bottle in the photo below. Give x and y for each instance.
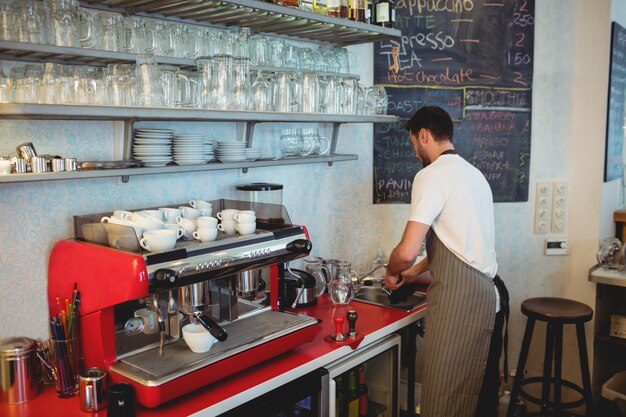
(344, 9)
(333, 7)
(291, 3)
(384, 13)
(320, 7)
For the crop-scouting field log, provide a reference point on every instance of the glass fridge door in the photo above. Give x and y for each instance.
(365, 383)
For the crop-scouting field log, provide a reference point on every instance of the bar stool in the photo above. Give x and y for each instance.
(555, 312)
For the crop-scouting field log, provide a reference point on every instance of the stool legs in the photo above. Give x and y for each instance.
(584, 367)
(558, 362)
(519, 374)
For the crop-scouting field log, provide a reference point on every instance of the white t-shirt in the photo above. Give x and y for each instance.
(454, 198)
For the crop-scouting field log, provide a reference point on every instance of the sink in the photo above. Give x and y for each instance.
(377, 296)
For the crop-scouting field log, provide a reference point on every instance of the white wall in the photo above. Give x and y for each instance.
(335, 203)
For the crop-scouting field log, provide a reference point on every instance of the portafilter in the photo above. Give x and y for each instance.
(192, 302)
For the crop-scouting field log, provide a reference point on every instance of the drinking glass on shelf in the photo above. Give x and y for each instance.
(240, 92)
(9, 23)
(261, 92)
(106, 31)
(259, 50)
(176, 87)
(148, 89)
(376, 100)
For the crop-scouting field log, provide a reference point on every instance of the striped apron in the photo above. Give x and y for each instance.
(460, 320)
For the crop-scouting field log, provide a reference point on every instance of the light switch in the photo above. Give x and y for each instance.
(559, 207)
(543, 207)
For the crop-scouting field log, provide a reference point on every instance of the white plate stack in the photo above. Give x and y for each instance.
(153, 147)
(189, 149)
(231, 151)
(253, 153)
(209, 150)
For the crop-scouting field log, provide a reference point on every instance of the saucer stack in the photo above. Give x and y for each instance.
(189, 149)
(153, 147)
(231, 151)
(253, 153)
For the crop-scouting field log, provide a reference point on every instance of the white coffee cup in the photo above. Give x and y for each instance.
(174, 226)
(204, 222)
(123, 214)
(146, 221)
(245, 228)
(205, 235)
(227, 215)
(159, 240)
(205, 211)
(248, 212)
(157, 214)
(198, 338)
(244, 218)
(227, 227)
(200, 204)
(170, 214)
(120, 221)
(5, 167)
(189, 212)
(150, 320)
(188, 226)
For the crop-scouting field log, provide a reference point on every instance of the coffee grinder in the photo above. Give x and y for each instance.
(252, 283)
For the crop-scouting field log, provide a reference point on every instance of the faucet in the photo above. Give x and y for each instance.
(371, 271)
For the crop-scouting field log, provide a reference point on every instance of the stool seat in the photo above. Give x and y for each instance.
(556, 309)
(556, 312)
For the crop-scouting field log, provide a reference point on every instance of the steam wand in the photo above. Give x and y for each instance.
(155, 305)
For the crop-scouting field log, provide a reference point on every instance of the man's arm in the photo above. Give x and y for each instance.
(404, 254)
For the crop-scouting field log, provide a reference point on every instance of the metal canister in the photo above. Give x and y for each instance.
(19, 165)
(19, 370)
(71, 164)
(93, 389)
(38, 164)
(58, 164)
(26, 150)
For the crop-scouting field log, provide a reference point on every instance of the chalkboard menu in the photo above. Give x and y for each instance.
(613, 159)
(473, 58)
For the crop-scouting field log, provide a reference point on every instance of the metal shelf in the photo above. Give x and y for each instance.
(211, 166)
(261, 17)
(85, 112)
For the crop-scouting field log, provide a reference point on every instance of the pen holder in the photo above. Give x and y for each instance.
(64, 365)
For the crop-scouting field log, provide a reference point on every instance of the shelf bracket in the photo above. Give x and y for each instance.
(249, 135)
(333, 140)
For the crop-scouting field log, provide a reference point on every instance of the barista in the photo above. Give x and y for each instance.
(452, 209)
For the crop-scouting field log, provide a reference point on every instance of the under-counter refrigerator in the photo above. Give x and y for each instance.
(378, 368)
(363, 383)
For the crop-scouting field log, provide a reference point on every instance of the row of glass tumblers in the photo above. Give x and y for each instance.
(220, 82)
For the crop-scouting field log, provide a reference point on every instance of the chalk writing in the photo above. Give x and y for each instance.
(474, 58)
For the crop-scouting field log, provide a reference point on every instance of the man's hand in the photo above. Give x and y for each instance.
(391, 282)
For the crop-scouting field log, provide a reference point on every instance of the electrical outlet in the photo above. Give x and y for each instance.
(543, 207)
(559, 207)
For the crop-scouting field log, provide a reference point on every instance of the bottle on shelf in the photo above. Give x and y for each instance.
(291, 3)
(320, 7)
(344, 11)
(363, 393)
(332, 6)
(384, 13)
(306, 5)
(353, 395)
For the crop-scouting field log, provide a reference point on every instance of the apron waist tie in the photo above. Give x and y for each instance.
(504, 307)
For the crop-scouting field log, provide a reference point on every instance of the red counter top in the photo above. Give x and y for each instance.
(373, 323)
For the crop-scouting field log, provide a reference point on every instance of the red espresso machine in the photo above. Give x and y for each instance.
(196, 282)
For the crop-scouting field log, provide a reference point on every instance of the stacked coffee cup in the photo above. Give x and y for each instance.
(206, 229)
(245, 222)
